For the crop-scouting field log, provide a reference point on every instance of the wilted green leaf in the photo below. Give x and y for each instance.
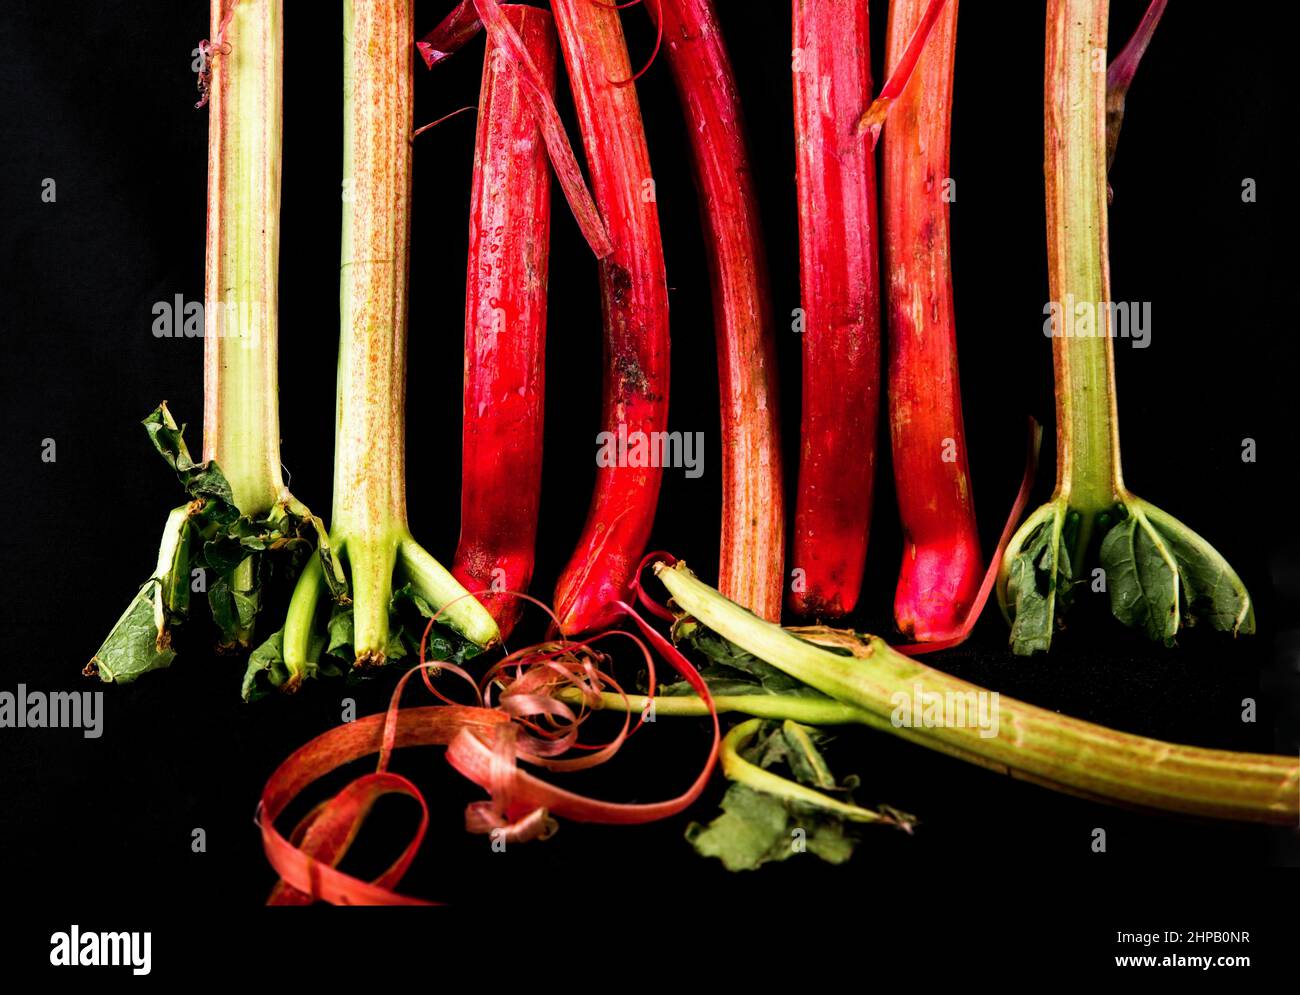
(132, 647)
(1141, 578)
(756, 828)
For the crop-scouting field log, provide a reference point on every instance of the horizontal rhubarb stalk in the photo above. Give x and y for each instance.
(752, 546)
(1031, 743)
(505, 329)
(941, 568)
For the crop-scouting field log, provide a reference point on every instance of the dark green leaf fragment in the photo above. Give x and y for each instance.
(201, 480)
(1211, 589)
(1033, 579)
(731, 670)
(135, 645)
(1141, 578)
(756, 828)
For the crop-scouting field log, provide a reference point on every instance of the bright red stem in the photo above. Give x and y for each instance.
(752, 550)
(962, 629)
(941, 549)
(455, 31)
(505, 329)
(634, 296)
(841, 305)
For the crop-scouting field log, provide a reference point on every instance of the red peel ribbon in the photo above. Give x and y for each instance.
(484, 743)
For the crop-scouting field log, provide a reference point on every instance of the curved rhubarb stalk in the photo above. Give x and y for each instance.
(1157, 570)
(505, 329)
(752, 548)
(634, 298)
(836, 176)
(369, 526)
(1022, 740)
(941, 567)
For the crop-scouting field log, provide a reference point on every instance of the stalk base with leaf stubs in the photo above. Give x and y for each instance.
(1159, 574)
(369, 529)
(242, 525)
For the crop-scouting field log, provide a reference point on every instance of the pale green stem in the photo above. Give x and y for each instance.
(1087, 431)
(807, 710)
(241, 424)
(738, 769)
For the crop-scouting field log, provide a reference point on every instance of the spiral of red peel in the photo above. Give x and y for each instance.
(485, 743)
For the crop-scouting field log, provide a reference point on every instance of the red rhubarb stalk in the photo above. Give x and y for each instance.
(505, 329)
(841, 305)
(752, 551)
(941, 551)
(634, 296)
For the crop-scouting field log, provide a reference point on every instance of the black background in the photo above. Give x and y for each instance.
(100, 96)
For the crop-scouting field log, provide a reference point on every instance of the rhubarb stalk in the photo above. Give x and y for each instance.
(941, 567)
(1030, 743)
(505, 328)
(1157, 571)
(752, 545)
(634, 298)
(841, 305)
(369, 526)
(241, 508)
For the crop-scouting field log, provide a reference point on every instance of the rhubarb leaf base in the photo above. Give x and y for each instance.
(1159, 575)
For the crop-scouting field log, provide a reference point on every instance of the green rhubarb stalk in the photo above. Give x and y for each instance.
(1157, 571)
(241, 511)
(1030, 743)
(369, 528)
(241, 417)
(240, 356)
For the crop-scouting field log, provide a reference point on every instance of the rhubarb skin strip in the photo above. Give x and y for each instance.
(941, 566)
(634, 298)
(841, 306)
(752, 549)
(505, 329)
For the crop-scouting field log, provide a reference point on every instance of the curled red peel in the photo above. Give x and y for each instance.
(484, 744)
